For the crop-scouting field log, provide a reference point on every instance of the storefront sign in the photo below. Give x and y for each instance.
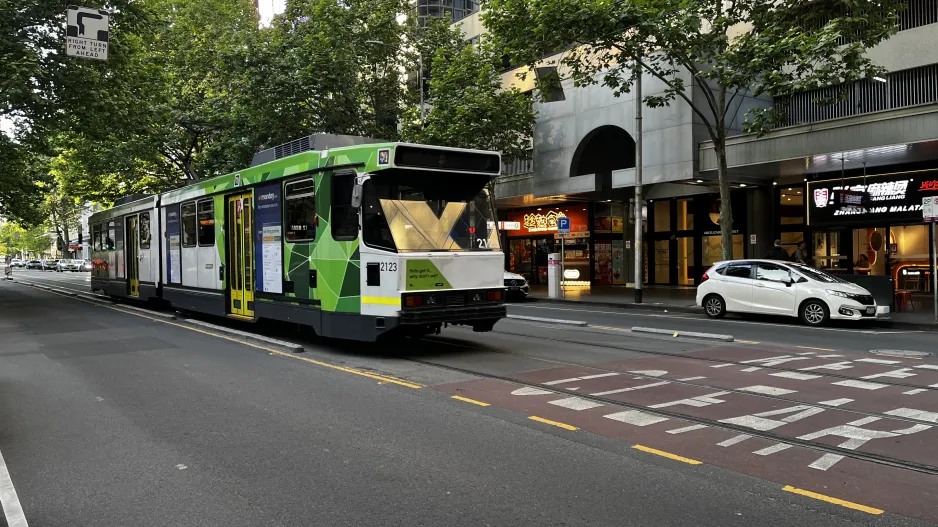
(893, 198)
(509, 225)
(536, 222)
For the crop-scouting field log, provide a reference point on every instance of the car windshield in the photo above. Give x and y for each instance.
(429, 212)
(815, 274)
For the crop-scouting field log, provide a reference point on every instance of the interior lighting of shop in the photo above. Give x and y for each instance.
(575, 283)
(699, 181)
(571, 274)
(742, 184)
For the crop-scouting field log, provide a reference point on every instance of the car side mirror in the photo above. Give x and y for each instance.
(356, 196)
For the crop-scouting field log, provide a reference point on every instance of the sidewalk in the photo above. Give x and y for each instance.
(683, 300)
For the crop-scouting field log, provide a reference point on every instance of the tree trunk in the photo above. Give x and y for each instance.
(726, 204)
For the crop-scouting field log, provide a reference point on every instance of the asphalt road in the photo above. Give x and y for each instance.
(111, 417)
(767, 330)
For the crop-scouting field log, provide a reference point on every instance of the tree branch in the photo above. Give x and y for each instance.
(681, 94)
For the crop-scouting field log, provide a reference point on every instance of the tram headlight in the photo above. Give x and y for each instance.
(478, 297)
(432, 300)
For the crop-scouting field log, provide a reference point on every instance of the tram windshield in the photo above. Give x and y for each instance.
(414, 211)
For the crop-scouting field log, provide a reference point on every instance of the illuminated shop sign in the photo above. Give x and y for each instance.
(888, 197)
(536, 222)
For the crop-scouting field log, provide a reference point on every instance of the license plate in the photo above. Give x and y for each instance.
(870, 310)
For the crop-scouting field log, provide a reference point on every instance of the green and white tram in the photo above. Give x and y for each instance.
(354, 237)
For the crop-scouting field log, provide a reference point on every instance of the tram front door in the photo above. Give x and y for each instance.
(132, 254)
(238, 228)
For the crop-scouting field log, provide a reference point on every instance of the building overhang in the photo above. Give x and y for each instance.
(905, 135)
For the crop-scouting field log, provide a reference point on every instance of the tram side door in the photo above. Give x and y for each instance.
(239, 227)
(131, 253)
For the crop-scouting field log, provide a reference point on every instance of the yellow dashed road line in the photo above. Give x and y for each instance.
(835, 501)
(554, 423)
(668, 455)
(470, 401)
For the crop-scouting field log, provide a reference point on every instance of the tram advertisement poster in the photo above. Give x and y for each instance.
(268, 235)
(172, 232)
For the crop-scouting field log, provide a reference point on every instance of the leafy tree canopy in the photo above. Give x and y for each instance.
(708, 53)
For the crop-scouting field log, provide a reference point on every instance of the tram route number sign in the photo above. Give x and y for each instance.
(563, 225)
(86, 33)
(930, 209)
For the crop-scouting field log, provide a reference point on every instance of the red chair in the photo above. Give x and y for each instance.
(903, 299)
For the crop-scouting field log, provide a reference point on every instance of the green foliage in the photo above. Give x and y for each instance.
(466, 105)
(31, 241)
(193, 89)
(709, 53)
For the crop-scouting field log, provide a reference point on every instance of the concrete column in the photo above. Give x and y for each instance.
(760, 215)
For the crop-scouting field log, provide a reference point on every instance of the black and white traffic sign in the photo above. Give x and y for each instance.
(87, 33)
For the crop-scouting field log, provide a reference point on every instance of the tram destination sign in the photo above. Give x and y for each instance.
(886, 198)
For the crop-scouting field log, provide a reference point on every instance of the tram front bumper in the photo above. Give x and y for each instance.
(452, 315)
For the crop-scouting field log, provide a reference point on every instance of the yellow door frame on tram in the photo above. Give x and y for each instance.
(239, 225)
(132, 249)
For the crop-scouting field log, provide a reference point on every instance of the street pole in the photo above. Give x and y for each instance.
(639, 268)
(934, 270)
(563, 255)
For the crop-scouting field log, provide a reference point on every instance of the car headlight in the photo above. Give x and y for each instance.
(841, 294)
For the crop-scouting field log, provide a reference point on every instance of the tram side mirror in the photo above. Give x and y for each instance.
(357, 196)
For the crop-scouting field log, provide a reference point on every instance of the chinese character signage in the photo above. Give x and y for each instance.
(535, 222)
(873, 199)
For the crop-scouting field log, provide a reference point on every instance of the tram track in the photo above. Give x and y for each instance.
(704, 359)
(768, 435)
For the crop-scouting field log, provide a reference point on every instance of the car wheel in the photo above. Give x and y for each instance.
(714, 306)
(814, 313)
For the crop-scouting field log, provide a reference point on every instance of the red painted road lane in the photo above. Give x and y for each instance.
(923, 374)
(892, 489)
(908, 438)
(809, 386)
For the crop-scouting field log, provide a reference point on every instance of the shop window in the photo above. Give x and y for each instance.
(685, 215)
(790, 241)
(188, 225)
(662, 261)
(685, 260)
(791, 206)
(869, 251)
(909, 257)
(663, 216)
(827, 252)
(206, 223)
(712, 248)
(300, 205)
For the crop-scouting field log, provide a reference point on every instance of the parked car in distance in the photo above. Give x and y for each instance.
(85, 265)
(34, 264)
(17, 263)
(68, 265)
(516, 286)
(49, 264)
(781, 288)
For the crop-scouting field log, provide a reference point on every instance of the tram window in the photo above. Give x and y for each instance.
(96, 235)
(109, 244)
(300, 206)
(144, 230)
(188, 225)
(206, 223)
(344, 219)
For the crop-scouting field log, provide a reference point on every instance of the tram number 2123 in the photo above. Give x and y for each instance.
(389, 266)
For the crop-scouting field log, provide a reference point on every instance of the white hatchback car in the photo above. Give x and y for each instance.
(782, 288)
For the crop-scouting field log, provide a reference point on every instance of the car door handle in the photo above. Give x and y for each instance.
(759, 285)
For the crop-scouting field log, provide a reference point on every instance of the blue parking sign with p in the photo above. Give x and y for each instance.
(563, 225)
